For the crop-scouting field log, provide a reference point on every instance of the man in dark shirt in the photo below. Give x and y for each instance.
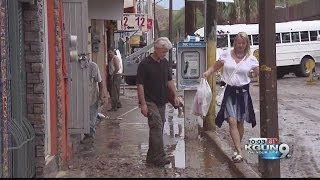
(154, 77)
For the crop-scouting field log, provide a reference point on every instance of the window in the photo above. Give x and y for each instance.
(285, 37)
(304, 36)
(232, 37)
(295, 37)
(313, 35)
(222, 41)
(278, 40)
(255, 39)
(250, 40)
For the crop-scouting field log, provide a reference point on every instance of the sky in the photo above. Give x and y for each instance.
(176, 4)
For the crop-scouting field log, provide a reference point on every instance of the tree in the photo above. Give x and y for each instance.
(178, 25)
(227, 13)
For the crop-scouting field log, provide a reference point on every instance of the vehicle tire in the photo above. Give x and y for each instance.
(130, 80)
(301, 70)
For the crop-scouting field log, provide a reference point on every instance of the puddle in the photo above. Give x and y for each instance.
(124, 144)
(194, 154)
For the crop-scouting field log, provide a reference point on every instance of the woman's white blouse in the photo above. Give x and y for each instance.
(241, 77)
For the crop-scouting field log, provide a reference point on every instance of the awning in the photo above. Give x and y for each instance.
(105, 9)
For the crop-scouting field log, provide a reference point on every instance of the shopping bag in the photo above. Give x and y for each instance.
(202, 99)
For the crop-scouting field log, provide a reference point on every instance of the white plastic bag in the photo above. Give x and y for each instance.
(220, 95)
(219, 98)
(118, 54)
(202, 99)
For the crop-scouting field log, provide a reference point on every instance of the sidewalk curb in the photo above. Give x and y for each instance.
(243, 169)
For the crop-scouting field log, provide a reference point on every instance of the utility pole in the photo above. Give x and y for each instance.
(170, 31)
(155, 22)
(211, 39)
(247, 9)
(287, 10)
(190, 20)
(268, 84)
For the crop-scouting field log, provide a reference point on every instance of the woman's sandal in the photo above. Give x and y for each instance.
(238, 158)
(234, 155)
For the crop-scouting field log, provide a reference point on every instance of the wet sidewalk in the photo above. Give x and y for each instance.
(121, 145)
(298, 112)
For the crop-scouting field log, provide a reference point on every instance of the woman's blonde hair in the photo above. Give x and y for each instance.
(245, 37)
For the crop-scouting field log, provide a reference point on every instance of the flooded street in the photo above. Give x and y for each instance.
(298, 119)
(121, 143)
(121, 146)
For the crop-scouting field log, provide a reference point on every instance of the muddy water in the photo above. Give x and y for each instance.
(298, 119)
(120, 149)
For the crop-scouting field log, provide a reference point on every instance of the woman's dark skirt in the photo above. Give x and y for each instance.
(233, 109)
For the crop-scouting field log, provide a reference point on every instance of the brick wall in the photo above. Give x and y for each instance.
(33, 39)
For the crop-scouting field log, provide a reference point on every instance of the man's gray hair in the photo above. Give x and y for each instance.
(163, 42)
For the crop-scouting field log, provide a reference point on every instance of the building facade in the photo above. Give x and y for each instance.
(39, 133)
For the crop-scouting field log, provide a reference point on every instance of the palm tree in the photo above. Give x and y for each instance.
(232, 13)
(236, 12)
(178, 24)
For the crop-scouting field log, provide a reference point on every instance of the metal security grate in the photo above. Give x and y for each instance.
(22, 150)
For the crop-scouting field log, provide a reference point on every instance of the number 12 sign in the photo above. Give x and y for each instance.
(131, 21)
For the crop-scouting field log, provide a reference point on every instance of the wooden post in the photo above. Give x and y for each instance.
(190, 20)
(268, 84)
(170, 32)
(211, 38)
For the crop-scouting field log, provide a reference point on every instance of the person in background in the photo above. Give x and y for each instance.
(127, 47)
(154, 77)
(236, 105)
(121, 45)
(97, 96)
(108, 76)
(115, 72)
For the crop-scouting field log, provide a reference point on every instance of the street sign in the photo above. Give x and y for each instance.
(132, 21)
(150, 23)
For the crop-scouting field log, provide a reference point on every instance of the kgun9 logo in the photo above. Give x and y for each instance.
(268, 148)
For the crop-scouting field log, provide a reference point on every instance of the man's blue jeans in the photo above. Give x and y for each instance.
(93, 118)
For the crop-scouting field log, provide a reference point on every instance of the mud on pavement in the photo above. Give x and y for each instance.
(299, 120)
(121, 145)
(120, 148)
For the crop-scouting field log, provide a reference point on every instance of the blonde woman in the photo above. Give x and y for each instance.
(236, 105)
